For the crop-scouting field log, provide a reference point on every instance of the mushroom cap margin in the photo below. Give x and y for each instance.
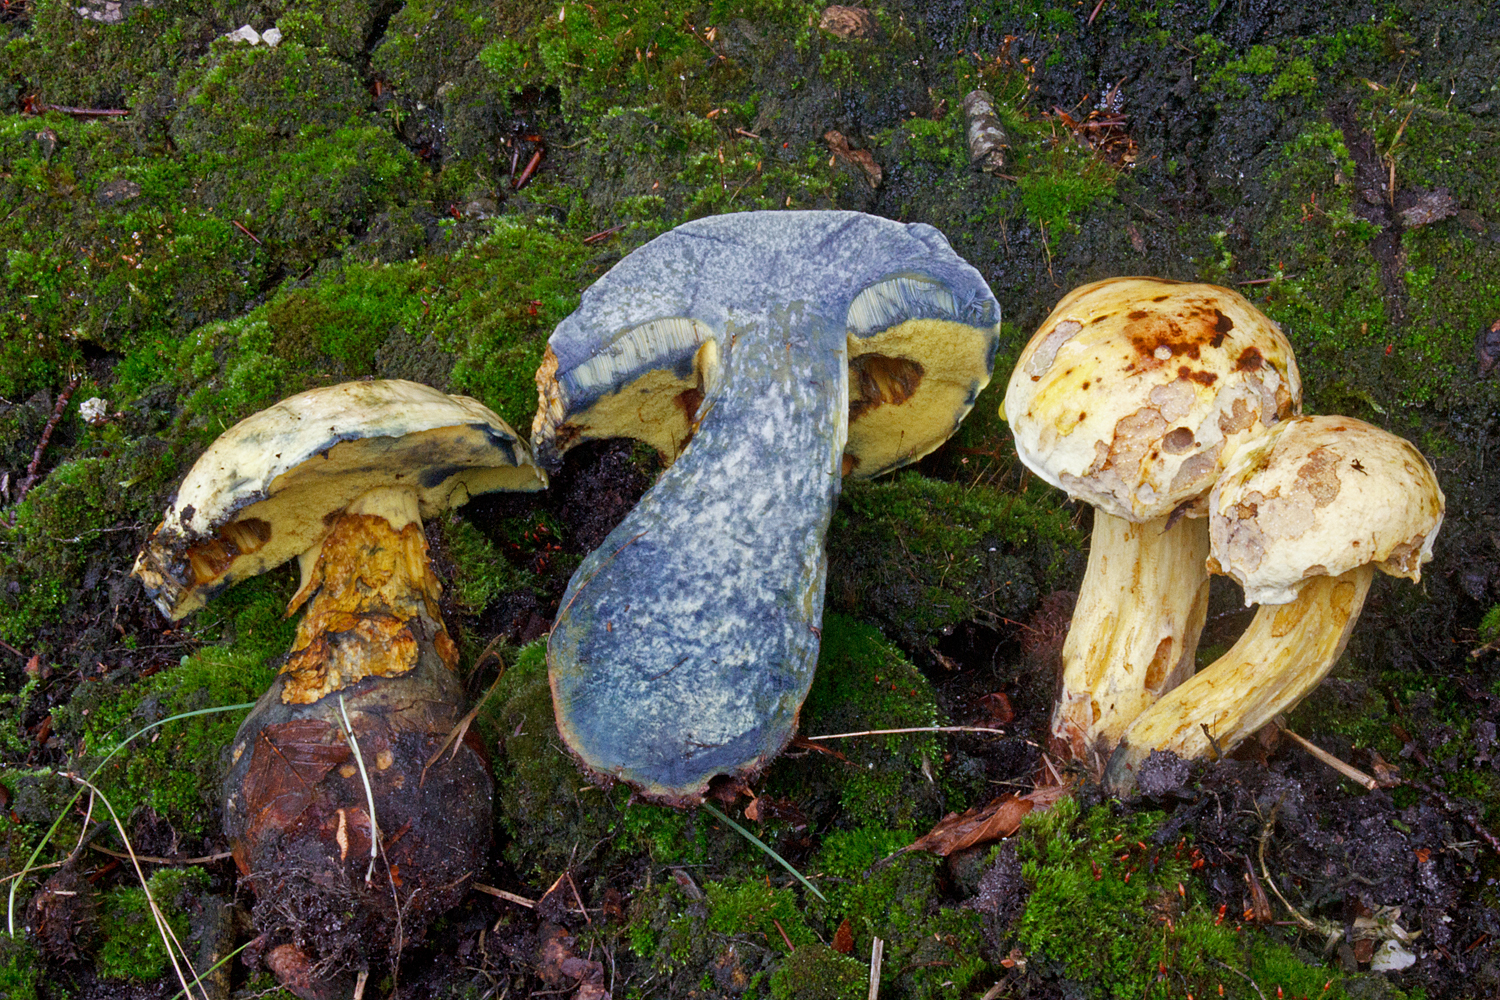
(1319, 496)
(641, 353)
(262, 491)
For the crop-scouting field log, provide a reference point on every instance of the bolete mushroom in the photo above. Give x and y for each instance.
(1302, 518)
(766, 353)
(330, 768)
(1131, 396)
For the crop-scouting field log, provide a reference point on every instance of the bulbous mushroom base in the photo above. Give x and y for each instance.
(298, 815)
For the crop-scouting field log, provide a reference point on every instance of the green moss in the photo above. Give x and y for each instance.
(483, 572)
(1095, 875)
(1062, 184)
(131, 945)
(919, 555)
(20, 968)
(1489, 626)
(864, 683)
(174, 769)
(817, 972)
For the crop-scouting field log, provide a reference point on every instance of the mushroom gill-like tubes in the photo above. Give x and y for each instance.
(685, 644)
(1131, 396)
(1302, 518)
(340, 478)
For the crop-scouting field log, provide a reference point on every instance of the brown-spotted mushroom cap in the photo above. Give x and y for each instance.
(262, 492)
(1302, 518)
(1134, 391)
(1319, 496)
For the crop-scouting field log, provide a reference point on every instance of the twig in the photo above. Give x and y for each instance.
(206, 859)
(81, 112)
(41, 445)
(456, 734)
(789, 946)
(877, 958)
(1259, 281)
(751, 135)
(1347, 770)
(1097, 8)
(509, 897)
(241, 228)
(1253, 984)
(579, 899)
(914, 729)
(602, 234)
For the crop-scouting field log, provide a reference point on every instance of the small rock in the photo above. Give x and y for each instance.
(109, 12)
(848, 22)
(1431, 207)
(1162, 773)
(116, 192)
(272, 37)
(244, 33)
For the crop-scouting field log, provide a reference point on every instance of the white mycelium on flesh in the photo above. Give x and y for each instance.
(686, 642)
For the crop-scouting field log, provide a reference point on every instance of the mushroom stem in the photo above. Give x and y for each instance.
(371, 599)
(706, 600)
(1287, 650)
(1135, 629)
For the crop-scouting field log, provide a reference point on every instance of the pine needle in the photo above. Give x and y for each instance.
(783, 862)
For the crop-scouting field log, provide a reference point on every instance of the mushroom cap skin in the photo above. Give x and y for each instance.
(1319, 496)
(1135, 391)
(261, 493)
(640, 354)
(686, 642)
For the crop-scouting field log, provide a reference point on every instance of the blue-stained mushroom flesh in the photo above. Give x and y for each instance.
(686, 643)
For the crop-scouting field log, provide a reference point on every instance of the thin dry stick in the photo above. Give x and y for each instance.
(41, 445)
(914, 729)
(877, 958)
(369, 792)
(509, 897)
(1347, 770)
(149, 859)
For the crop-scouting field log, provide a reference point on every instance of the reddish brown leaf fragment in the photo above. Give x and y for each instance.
(995, 820)
(843, 939)
(288, 761)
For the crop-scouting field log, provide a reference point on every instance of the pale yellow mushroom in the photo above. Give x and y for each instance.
(1302, 518)
(1131, 396)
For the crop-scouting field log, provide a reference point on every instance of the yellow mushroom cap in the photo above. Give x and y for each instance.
(1135, 391)
(263, 491)
(1319, 496)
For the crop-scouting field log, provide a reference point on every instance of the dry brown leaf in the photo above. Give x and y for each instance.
(995, 820)
(861, 158)
(843, 939)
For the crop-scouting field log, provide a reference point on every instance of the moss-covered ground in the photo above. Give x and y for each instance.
(423, 189)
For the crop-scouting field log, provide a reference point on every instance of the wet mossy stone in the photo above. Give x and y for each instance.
(774, 351)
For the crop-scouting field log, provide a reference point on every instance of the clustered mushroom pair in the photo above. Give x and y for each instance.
(1174, 410)
(765, 355)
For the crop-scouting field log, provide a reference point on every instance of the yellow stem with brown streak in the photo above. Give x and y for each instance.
(1135, 627)
(371, 598)
(1287, 650)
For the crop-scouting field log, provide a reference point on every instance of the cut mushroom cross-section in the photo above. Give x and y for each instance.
(1302, 518)
(767, 353)
(340, 479)
(1131, 396)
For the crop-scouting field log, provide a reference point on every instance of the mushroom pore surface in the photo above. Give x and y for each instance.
(685, 644)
